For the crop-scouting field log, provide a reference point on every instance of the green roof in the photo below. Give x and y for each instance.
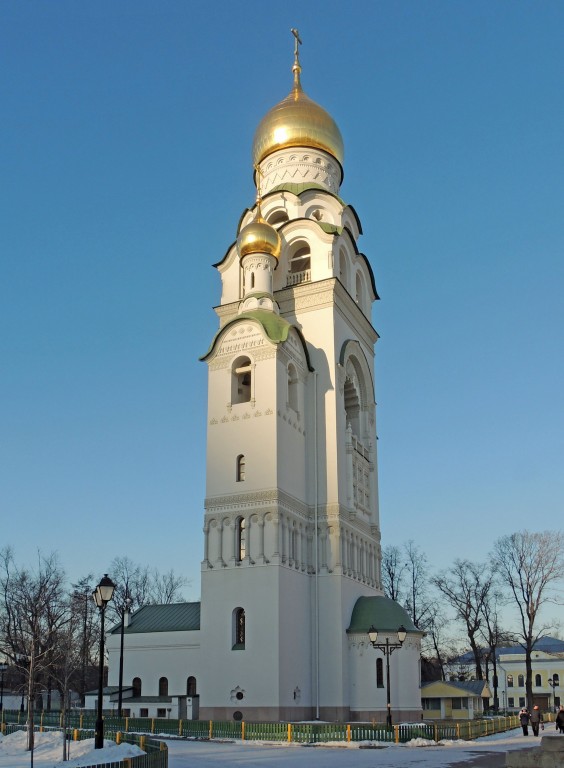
(381, 612)
(331, 229)
(276, 328)
(175, 617)
(297, 189)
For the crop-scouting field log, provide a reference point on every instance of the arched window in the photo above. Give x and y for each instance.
(556, 679)
(240, 468)
(163, 686)
(277, 217)
(300, 260)
(343, 271)
(359, 290)
(521, 681)
(238, 629)
(241, 539)
(191, 686)
(510, 681)
(352, 406)
(136, 685)
(292, 388)
(241, 380)
(538, 681)
(379, 673)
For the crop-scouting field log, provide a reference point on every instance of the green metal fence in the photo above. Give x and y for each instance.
(305, 733)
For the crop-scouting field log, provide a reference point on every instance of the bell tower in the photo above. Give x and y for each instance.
(292, 535)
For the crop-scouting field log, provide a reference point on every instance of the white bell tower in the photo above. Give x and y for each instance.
(292, 535)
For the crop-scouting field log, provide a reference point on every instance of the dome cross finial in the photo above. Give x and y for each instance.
(296, 69)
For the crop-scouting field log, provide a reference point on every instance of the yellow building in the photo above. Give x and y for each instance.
(454, 700)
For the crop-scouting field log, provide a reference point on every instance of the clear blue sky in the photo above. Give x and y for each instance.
(126, 133)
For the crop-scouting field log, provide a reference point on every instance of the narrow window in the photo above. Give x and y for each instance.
(241, 381)
(520, 681)
(292, 388)
(252, 279)
(510, 681)
(379, 673)
(538, 681)
(143, 712)
(163, 686)
(241, 539)
(521, 701)
(136, 685)
(238, 629)
(556, 679)
(510, 701)
(191, 686)
(240, 470)
(161, 712)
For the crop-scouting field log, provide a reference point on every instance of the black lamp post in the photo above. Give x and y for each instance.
(102, 596)
(3, 668)
(126, 607)
(554, 683)
(387, 649)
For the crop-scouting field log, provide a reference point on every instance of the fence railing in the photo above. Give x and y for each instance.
(156, 752)
(83, 722)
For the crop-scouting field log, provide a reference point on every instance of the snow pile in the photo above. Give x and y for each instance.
(48, 751)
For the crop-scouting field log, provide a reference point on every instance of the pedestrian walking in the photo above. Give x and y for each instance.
(524, 719)
(536, 720)
(560, 719)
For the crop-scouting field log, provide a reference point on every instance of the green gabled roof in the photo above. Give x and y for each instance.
(276, 327)
(383, 613)
(303, 186)
(331, 229)
(175, 617)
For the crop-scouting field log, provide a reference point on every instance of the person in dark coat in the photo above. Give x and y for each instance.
(560, 720)
(524, 719)
(536, 720)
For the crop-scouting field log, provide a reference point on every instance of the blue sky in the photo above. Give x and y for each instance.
(125, 165)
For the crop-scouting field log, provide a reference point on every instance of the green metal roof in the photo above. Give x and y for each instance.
(175, 617)
(296, 189)
(382, 612)
(276, 327)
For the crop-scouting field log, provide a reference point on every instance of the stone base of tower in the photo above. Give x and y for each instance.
(258, 714)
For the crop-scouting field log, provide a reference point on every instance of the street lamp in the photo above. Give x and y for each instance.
(554, 683)
(102, 596)
(125, 610)
(3, 668)
(387, 649)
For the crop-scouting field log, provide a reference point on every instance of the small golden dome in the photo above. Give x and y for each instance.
(259, 237)
(297, 121)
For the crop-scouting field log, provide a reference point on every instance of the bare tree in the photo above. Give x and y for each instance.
(393, 568)
(417, 601)
(133, 586)
(530, 566)
(166, 587)
(466, 589)
(32, 612)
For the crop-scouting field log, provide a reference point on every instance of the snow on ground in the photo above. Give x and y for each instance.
(418, 753)
(212, 754)
(48, 752)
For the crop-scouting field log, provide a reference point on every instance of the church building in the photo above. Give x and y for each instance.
(291, 564)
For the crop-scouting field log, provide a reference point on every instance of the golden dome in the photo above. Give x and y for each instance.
(297, 121)
(259, 237)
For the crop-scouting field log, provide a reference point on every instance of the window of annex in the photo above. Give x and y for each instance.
(163, 686)
(191, 686)
(379, 673)
(510, 681)
(521, 681)
(136, 685)
(538, 681)
(241, 377)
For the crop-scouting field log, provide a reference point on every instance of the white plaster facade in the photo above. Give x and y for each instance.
(291, 525)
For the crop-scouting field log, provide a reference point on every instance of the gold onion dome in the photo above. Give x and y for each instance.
(297, 121)
(259, 237)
